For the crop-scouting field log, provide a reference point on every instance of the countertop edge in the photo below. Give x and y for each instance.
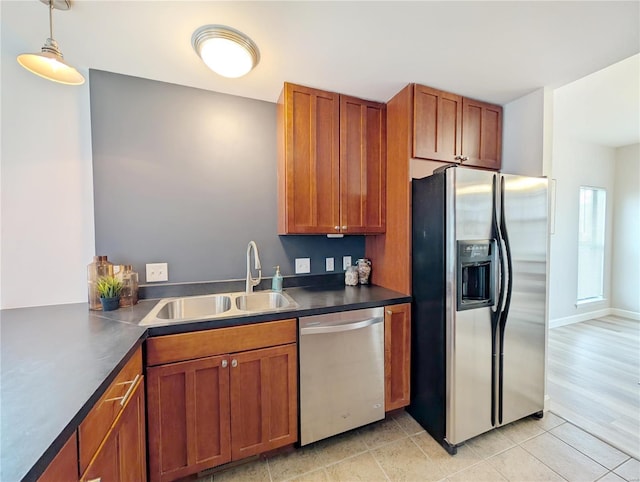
(49, 454)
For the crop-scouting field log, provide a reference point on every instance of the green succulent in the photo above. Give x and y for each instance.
(109, 287)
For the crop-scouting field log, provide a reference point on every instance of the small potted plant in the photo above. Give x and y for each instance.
(109, 289)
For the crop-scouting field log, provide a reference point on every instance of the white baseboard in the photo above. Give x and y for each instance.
(568, 320)
(632, 315)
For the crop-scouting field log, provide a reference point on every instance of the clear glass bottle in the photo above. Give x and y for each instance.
(129, 294)
(100, 267)
(351, 276)
(364, 270)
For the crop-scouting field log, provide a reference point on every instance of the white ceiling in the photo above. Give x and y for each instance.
(602, 108)
(492, 51)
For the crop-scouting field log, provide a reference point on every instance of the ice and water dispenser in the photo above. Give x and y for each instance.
(476, 274)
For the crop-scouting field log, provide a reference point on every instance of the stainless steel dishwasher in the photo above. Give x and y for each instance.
(341, 372)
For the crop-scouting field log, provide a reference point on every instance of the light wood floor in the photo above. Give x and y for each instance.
(593, 379)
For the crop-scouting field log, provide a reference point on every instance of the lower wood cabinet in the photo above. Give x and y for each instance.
(211, 410)
(64, 467)
(397, 356)
(189, 417)
(122, 455)
(264, 400)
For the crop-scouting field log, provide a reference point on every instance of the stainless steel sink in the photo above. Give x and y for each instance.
(211, 307)
(194, 307)
(261, 301)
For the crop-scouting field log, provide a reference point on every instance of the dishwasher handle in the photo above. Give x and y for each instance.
(335, 328)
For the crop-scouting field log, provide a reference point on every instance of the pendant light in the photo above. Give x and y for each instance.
(225, 50)
(50, 64)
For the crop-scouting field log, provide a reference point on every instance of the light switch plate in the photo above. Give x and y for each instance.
(303, 265)
(157, 272)
(346, 262)
(328, 264)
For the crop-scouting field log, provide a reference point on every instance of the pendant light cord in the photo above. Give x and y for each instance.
(50, 18)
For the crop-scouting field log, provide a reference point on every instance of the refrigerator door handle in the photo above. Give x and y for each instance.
(507, 299)
(495, 312)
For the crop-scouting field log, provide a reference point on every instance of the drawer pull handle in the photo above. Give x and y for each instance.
(224, 363)
(234, 363)
(123, 399)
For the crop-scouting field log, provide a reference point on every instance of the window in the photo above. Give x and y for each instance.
(591, 244)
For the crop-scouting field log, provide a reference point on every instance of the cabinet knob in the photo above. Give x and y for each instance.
(389, 312)
(344, 228)
(234, 363)
(462, 158)
(224, 363)
(337, 228)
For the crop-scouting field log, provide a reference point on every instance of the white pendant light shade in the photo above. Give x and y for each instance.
(226, 51)
(50, 64)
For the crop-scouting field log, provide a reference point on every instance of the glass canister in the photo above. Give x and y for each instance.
(364, 270)
(351, 276)
(129, 294)
(100, 267)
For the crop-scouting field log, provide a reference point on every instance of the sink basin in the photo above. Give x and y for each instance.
(194, 307)
(261, 301)
(210, 307)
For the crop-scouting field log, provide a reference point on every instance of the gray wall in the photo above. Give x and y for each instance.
(188, 177)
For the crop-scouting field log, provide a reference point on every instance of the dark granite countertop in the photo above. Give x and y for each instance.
(56, 362)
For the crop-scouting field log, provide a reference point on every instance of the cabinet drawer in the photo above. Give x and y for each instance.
(188, 346)
(95, 426)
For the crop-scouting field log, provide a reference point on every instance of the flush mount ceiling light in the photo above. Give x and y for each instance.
(225, 50)
(50, 63)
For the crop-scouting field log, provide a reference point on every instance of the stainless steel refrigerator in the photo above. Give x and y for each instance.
(479, 278)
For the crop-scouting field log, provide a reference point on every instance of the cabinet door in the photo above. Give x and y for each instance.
(264, 400)
(188, 417)
(132, 439)
(437, 124)
(122, 455)
(362, 166)
(482, 134)
(308, 171)
(64, 467)
(397, 356)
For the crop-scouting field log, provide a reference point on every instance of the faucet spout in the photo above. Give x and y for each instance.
(251, 282)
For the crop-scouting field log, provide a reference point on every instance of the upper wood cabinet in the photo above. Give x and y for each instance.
(331, 163)
(482, 134)
(362, 166)
(437, 127)
(451, 128)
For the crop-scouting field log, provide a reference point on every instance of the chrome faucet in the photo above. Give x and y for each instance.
(251, 282)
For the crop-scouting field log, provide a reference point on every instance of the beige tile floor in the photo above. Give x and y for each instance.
(398, 449)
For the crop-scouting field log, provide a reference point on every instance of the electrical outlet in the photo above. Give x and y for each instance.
(303, 265)
(346, 262)
(328, 264)
(157, 272)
